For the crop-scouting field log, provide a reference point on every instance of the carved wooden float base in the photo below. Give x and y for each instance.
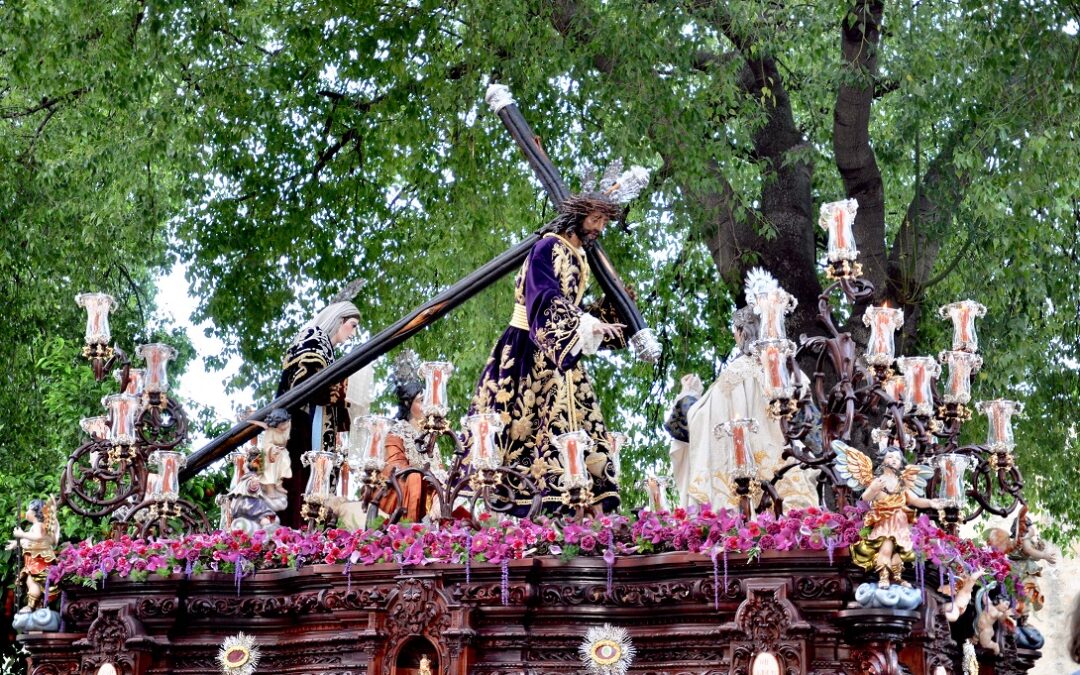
(683, 616)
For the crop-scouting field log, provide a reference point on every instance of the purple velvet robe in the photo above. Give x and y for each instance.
(536, 382)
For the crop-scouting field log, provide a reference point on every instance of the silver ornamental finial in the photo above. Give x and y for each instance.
(498, 96)
(645, 345)
(630, 184)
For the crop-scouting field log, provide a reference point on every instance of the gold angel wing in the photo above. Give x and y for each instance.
(51, 522)
(915, 476)
(854, 467)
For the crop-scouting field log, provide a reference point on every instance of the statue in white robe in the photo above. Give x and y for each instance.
(700, 461)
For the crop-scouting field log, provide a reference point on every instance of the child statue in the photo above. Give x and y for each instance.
(891, 495)
(38, 546)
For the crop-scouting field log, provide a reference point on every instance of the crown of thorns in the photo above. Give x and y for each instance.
(581, 205)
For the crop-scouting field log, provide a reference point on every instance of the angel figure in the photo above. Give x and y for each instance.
(891, 495)
(989, 611)
(38, 545)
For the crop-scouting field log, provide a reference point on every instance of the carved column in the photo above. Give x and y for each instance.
(115, 637)
(875, 634)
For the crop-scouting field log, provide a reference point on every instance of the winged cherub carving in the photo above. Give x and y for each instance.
(893, 494)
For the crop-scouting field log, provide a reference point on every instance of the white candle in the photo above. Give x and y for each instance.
(618, 442)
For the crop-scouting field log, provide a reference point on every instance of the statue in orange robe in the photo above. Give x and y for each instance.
(405, 444)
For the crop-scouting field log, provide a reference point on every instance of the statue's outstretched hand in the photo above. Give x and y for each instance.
(610, 331)
(11, 545)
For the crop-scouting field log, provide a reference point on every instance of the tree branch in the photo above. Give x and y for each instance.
(940, 276)
(918, 242)
(860, 36)
(46, 104)
(242, 42)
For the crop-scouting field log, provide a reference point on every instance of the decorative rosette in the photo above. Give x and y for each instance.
(607, 650)
(239, 655)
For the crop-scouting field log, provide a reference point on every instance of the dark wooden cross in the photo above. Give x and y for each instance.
(642, 340)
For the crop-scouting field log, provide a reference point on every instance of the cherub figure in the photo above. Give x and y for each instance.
(891, 494)
(1026, 551)
(425, 665)
(38, 546)
(988, 612)
(960, 594)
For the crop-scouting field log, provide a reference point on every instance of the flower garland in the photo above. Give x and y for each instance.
(703, 531)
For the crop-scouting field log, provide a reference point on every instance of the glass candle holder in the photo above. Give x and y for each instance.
(962, 365)
(739, 451)
(772, 307)
(837, 219)
(951, 468)
(167, 485)
(435, 374)
(483, 449)
(155, 375)
(618, 441)
(894, 387)
(367, 442)
(322, 465)
(96, 427)
(573, 447)
(656, 488)
(963, 315)
(238, 459)
(919, 373)
(883, 322)
(999, 413)
(774, 355)
(136, 377)
(124, 410)
(98, 307)
(346, 486)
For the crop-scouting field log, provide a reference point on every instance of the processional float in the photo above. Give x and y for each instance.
(790, 612)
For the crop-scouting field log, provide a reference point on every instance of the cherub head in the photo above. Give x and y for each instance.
(35, 512)
(893, 460)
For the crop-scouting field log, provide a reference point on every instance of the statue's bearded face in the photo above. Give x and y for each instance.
(592, 227)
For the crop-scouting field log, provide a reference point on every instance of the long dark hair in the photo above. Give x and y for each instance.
(406, 393)
(574, 210)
